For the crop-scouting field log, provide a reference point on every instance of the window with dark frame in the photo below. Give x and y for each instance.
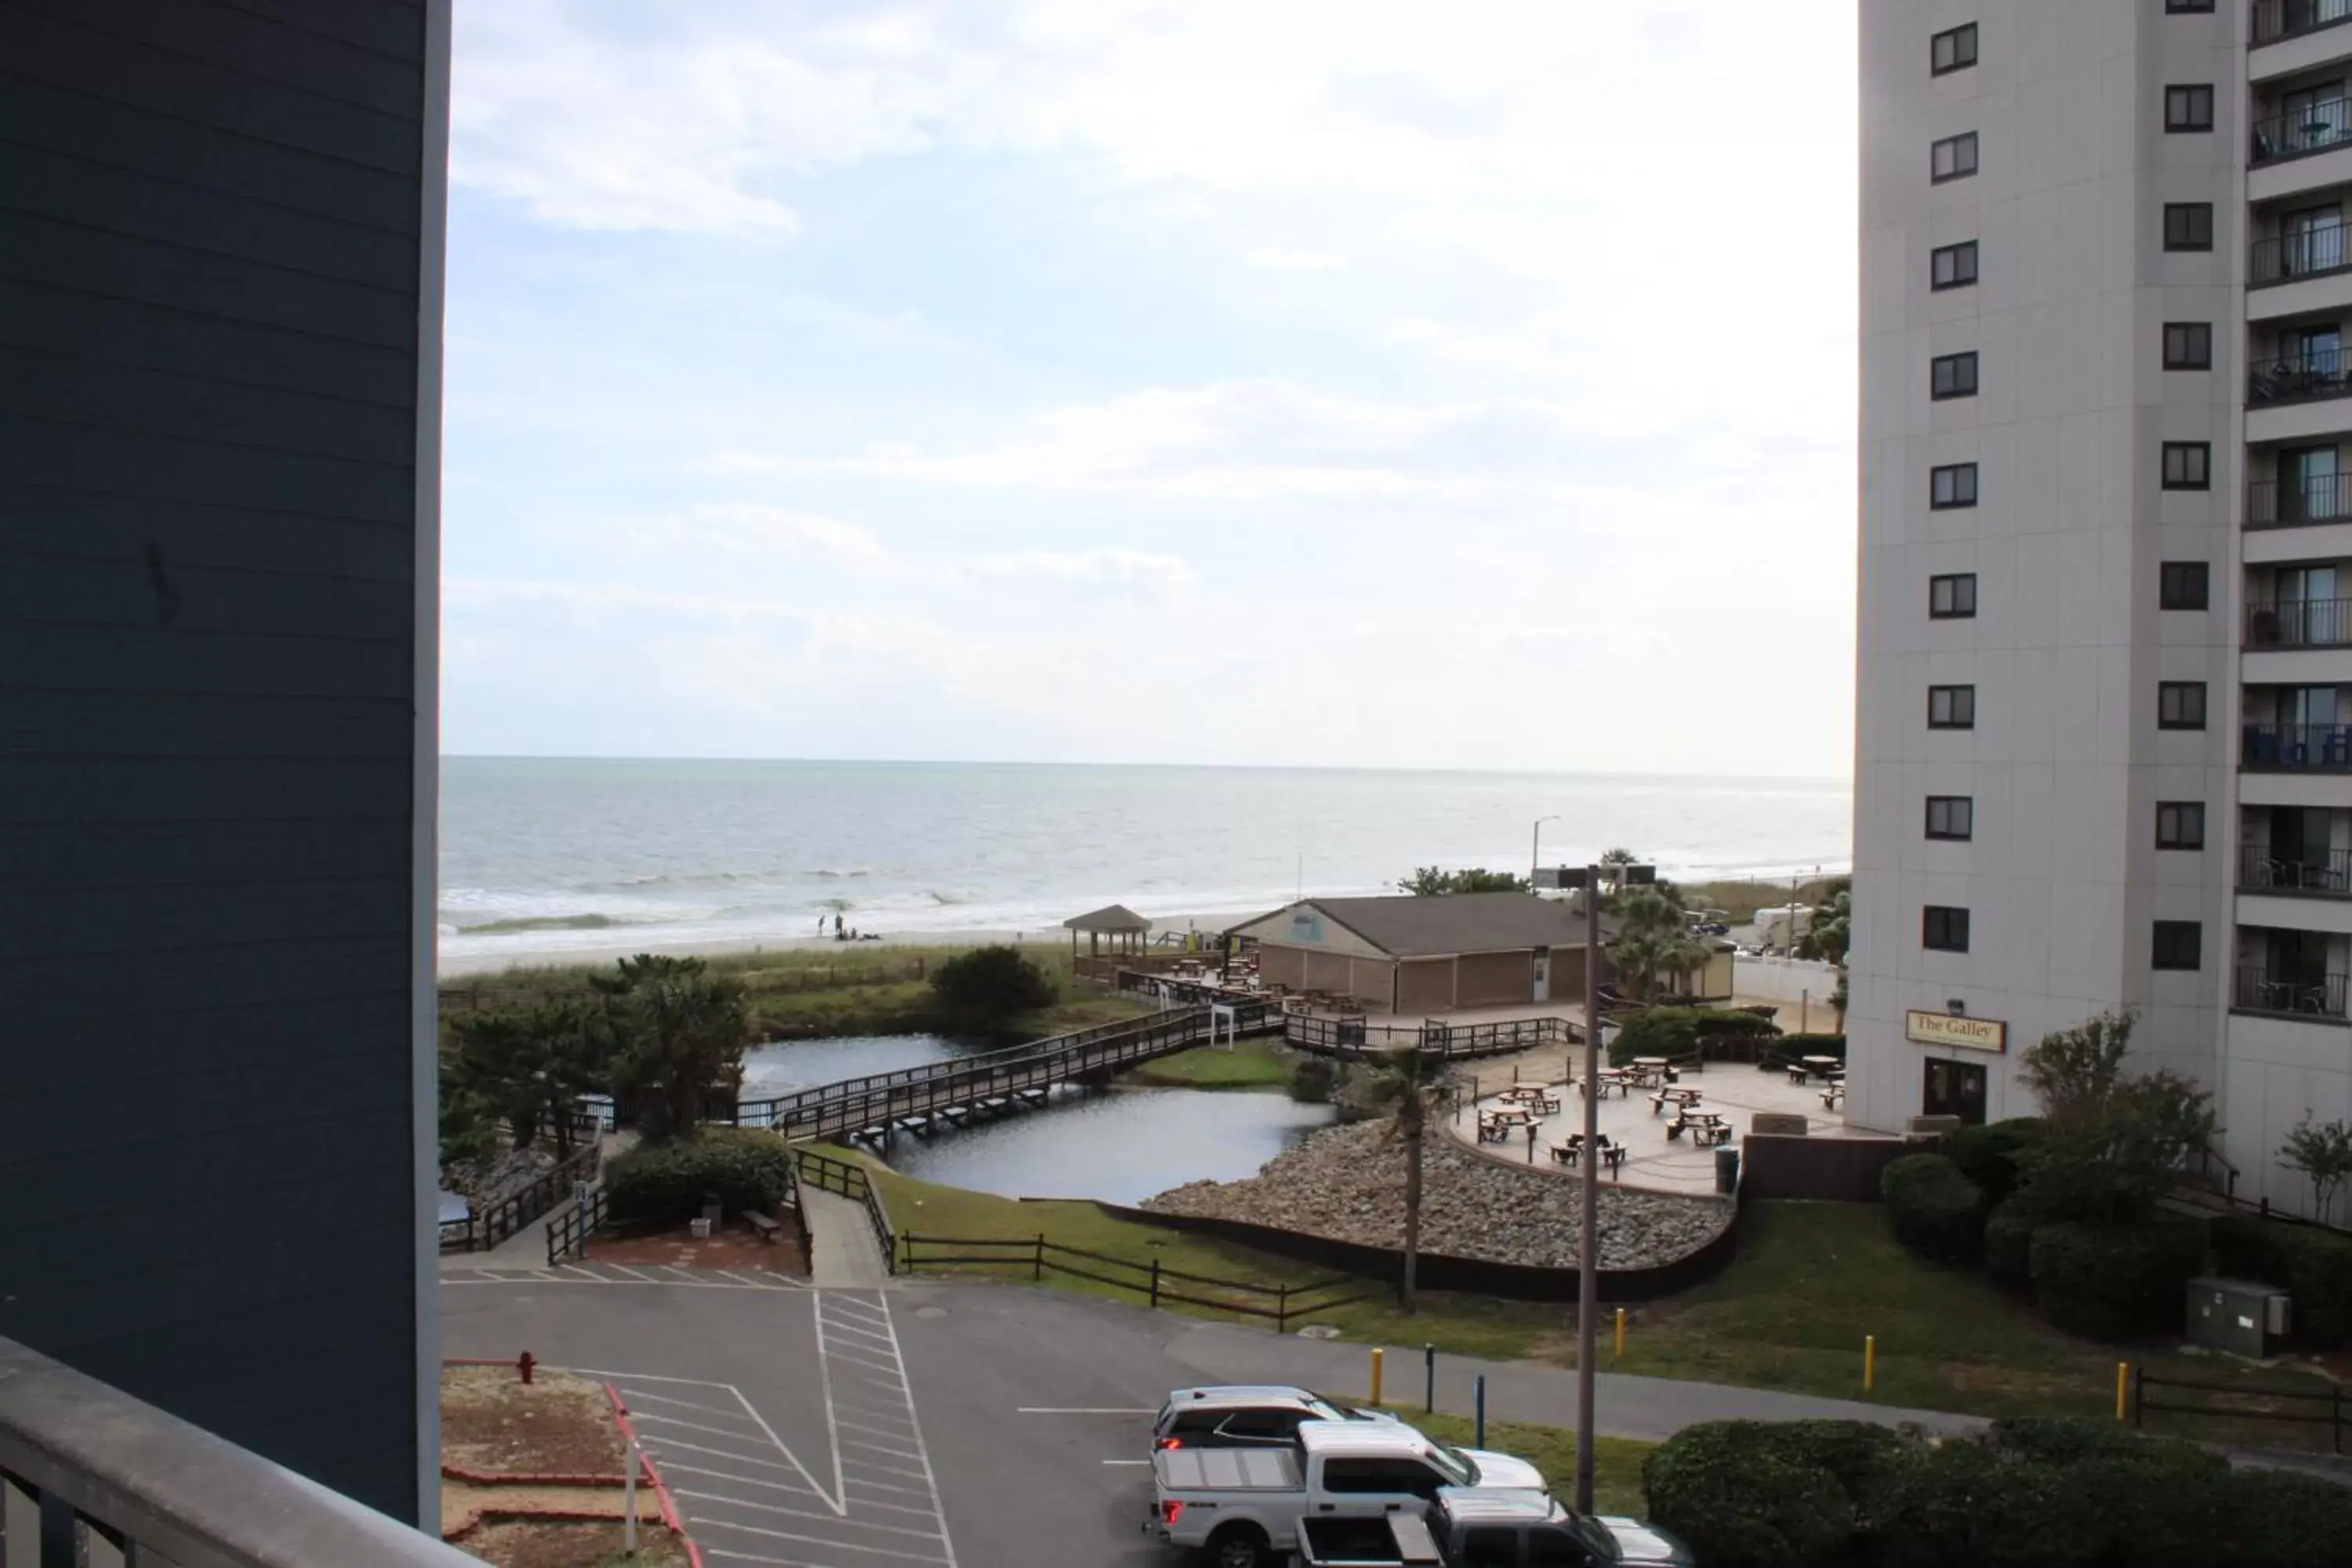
(1944, 928)
(1953, 707)
(1951, 817)
(2188, 345)
(2179, 945)
(1952, 375)
(1952, 51)
(1952, 266)
(1952, 485)
(1952, 596)
(2181, 825)
(2187, 8)
(2184, 585)
(2188, 464)
(2189, 106)
(1953, 158)
(2181, 705)
(2188, 225)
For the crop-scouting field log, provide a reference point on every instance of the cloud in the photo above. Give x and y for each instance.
(1277, 258)
(1133, 573)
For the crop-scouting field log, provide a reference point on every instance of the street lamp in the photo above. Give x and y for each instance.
(1534, 849)
(1587, 1243)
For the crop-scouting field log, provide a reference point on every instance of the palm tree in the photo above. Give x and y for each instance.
(678, 1033)
(1653, 943)
(1409, 1085)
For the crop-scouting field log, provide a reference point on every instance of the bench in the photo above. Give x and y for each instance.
(766, 1228)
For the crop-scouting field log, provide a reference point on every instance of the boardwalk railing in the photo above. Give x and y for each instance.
(856, 1103)
(1354, 1038)
(1281, 1305)
(2319, 1413)
(509, 1214)
(568, 1232)
(848, 1179)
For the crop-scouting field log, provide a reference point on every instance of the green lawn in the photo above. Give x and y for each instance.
(1250, 1064)
(1616, 1461)
(1791, 1312)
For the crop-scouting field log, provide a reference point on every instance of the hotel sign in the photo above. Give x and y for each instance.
(1961, 1034)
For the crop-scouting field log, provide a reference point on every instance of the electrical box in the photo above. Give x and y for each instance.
(2241, 1317)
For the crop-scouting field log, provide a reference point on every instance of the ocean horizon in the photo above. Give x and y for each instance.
(546, 856)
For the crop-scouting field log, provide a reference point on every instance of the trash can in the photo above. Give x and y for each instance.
(701, 1228)
(1726, 1169)
(714, 1212)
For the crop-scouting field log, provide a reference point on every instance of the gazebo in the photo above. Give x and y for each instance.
(1125, 928)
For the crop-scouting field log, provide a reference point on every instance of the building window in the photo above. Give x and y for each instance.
(1952, 375)
(2184, 585)
(2177, 943)
(2181, 825)
(2188, 107)
(1943, 929)
(1953, 51)
(1952, 266)
(1953, 158)
(2188, 225)
(1952, 596)
(1954, 484)
(1955, 707)
(2188, 345)
(2188, 464)
(2181, 705)
(1951, 817)
(2187, 7)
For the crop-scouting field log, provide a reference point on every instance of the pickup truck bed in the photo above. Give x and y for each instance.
(1395, 1541)
(1229, 1470)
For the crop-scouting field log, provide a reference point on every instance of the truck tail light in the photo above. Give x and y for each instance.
(1168, 1513)
(1168, 1443)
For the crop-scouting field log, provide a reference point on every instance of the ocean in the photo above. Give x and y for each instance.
(542, 856)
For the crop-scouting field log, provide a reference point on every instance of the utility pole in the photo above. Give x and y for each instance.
(1588, 1243)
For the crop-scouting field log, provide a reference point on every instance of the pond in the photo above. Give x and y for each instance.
(1120, 1145)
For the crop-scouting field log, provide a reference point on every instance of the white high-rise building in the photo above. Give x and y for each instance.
(2103, 752)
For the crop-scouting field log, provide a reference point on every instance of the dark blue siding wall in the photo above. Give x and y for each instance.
(209, 286)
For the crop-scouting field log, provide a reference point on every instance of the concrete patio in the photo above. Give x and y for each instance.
(1735, 1091)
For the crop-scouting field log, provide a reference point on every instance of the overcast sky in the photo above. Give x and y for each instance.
(1449, 385)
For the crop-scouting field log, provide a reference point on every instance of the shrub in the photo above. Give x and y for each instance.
(1676, 1031)
(989, 987)
(2313, 1267)
(2007, 1244)
(2271, 1518)
(1314, 1079)
(1796, 1046)
(665, 1183)
(1992, 1157)
(1740, 1500)
(1936, 1211)
(2110, 1281)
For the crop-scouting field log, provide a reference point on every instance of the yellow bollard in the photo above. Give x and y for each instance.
(1621, 1332)
(2123, 1390)
(1376, 1376)
(1869, 1362)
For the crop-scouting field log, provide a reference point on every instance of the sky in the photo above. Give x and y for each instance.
(1460, 386)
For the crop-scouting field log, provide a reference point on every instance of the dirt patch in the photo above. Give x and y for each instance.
(462, 1501)
(537, 1545)
(727, 1249)
(556, 1425)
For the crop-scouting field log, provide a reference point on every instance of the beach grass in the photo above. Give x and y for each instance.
(1740, 898)
(1789, 1313)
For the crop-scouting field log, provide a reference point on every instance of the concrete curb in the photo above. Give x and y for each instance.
(653, 1471)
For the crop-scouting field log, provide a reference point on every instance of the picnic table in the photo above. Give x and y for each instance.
(1834, 1095)
(1494, 1126)
(1618, 1079)
(1612, 1153)
(1705, 1126)
(1534, 1096)
(1684, 1098)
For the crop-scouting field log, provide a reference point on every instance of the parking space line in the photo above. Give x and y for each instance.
(641, 1279)
(853, 1329)
(872, 1431)
(755, 1557)
(878, 1465)
(803, 1513)
(636, 1394)
(676, 1468)
(886, 1486)
(690, 1426)
(1081, 1410)
(819, 1541)
(668, 1443)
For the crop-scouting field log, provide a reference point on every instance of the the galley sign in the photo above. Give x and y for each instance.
(1962, 1034)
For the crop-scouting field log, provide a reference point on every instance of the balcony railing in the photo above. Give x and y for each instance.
(140, 1486)
(2325, 872)
(2302, 377)
(2299, 622)
(2277, 19)
(2314, 128)
(2290, 258)
(2307, 995)
(2297, 748)
(2291, 503)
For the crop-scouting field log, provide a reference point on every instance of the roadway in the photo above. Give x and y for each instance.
(952, 1423)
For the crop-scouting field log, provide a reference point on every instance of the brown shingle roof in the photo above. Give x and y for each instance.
(1109, 918)
(1408, 927)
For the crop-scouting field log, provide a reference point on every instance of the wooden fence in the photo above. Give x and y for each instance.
(1156, 1283)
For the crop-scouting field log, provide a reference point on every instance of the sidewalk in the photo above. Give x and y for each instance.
(843, 1253)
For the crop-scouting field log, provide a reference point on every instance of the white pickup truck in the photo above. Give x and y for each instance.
(1244, 1505)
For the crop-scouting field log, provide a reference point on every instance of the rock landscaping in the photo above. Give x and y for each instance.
(1348, 1183)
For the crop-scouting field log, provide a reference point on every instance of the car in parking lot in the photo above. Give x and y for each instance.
(1487, 1530)
(1235, 1416)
